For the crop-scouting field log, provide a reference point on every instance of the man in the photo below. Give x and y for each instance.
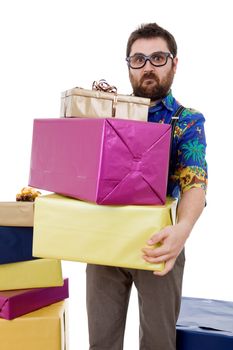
(152, 64)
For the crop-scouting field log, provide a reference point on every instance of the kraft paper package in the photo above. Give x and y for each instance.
(78, 102)
(43, 329)
(15, 303)
(105, 161)
(74, 230)
(31, 274)
(16, 214)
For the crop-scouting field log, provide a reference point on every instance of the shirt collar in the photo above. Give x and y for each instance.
(168, 102)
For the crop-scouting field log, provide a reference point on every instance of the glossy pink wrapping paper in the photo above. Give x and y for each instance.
(14, 303)
(106, 161)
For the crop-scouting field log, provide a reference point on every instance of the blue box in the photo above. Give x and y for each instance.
(205, 324)
(15, 244)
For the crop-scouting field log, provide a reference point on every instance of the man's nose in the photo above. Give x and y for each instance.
(148, 66)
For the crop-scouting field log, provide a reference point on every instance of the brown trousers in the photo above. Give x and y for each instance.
(108, 293)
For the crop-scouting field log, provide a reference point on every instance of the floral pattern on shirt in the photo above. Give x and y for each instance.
(188, 167)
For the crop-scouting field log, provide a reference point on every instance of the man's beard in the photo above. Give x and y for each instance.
(154, 89)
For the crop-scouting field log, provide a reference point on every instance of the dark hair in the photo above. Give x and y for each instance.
(152, 30)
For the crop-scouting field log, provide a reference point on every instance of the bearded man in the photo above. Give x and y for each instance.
(152, 63)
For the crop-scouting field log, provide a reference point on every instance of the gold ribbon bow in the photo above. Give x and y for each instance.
(102, 85)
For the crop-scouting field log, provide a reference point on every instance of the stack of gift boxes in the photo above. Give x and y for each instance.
(32, 290)
(109, 178)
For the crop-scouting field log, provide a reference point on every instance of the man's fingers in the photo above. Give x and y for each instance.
(168, 267)
(157, 237)
(154, 252)
(156, 260)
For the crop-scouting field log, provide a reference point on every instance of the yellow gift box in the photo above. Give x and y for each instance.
(44, 329)
(31, 274)
(70, 229)
(16, 214)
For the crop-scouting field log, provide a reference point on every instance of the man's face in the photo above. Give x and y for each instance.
(150, 81)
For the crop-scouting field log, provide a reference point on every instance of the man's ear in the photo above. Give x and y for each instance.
(175, 63)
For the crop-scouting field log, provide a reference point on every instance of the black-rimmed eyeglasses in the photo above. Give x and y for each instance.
(157, 59)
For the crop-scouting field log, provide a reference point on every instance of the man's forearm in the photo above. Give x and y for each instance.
(190, 207)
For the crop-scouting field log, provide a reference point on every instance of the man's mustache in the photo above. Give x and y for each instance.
(149, 75)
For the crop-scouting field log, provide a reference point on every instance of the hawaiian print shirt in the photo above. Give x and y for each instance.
(188, 167)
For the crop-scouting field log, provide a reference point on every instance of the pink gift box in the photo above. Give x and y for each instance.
(106, 161)
(14, 303)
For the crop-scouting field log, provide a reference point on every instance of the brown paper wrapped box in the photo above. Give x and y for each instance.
(80, 102)
(16, 214)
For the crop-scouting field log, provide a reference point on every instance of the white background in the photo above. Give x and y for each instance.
(48, 46)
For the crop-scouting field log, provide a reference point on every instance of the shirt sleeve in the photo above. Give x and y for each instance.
(190, 168)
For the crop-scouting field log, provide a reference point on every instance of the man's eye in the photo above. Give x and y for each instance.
(139, 59)
(157, 58)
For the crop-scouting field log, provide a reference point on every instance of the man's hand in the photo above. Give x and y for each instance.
(172, 240)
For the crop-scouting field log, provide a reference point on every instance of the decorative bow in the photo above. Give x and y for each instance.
(102, 85)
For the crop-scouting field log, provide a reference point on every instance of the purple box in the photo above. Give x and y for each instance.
(14, 303)
(106, 161)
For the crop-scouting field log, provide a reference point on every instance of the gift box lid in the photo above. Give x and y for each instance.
(205, 324)
(216, 315)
